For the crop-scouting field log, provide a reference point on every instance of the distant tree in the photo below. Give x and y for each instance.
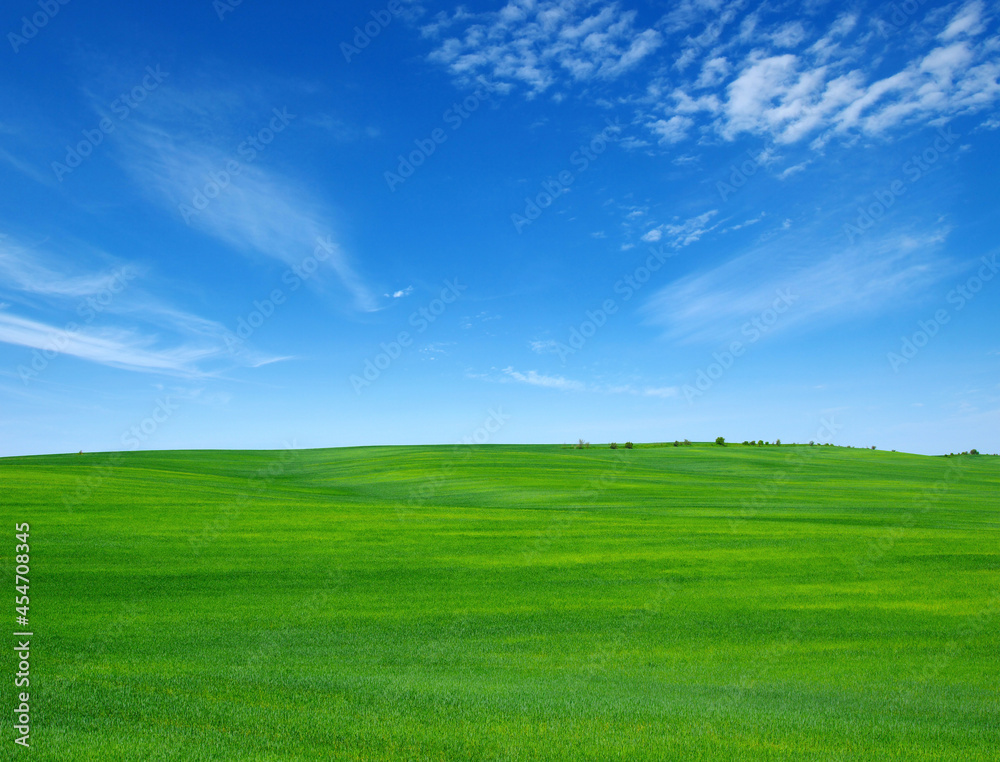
(720, 441)
(973, 451)
(811, 443)
(873, 447)
(581, 444)
(777, 441)
(614, 445)
(628, 445)
(760, 442)
(676, 443)
(687, 442)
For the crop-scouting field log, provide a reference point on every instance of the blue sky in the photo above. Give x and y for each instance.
(251, 225)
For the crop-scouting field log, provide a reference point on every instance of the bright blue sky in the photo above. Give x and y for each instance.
(728, 145)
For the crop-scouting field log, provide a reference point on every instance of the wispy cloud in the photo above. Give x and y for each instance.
(256, 209)
(544, 346)
(682, 232)
(560, 383)
(108, 346)
(25, 268)
(538, 379)
(713, 305)
(25, 168)
(112, 320)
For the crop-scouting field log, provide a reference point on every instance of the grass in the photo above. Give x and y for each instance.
(511, 602)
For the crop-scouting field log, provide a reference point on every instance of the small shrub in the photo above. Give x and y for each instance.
(628, 445)
(760, 442)
(973, 451)
(720, 441)
(687, 442)
(676, 443)
(777, 441)
(614, 445)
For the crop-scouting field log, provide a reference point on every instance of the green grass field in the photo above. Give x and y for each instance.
(509, 603)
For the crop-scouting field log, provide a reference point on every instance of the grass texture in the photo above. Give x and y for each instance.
(510, 603)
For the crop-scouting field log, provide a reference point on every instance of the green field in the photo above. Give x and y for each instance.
(508, 603)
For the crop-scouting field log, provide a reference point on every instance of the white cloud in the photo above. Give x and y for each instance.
(26, 168)
(746, 223)
(551, 382)
(672, 130)
(26, 269)
(117, 348)
(258, 211)
(788, 35)
(401, 293)
(665, 392)
(713, 305)
(544, 346)
(538, 45)
(713, 71)
(968, 21)
(437, 347)
(534, 378)
(767, 78)
(793, 170)
(113, 320)
(684, 233)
